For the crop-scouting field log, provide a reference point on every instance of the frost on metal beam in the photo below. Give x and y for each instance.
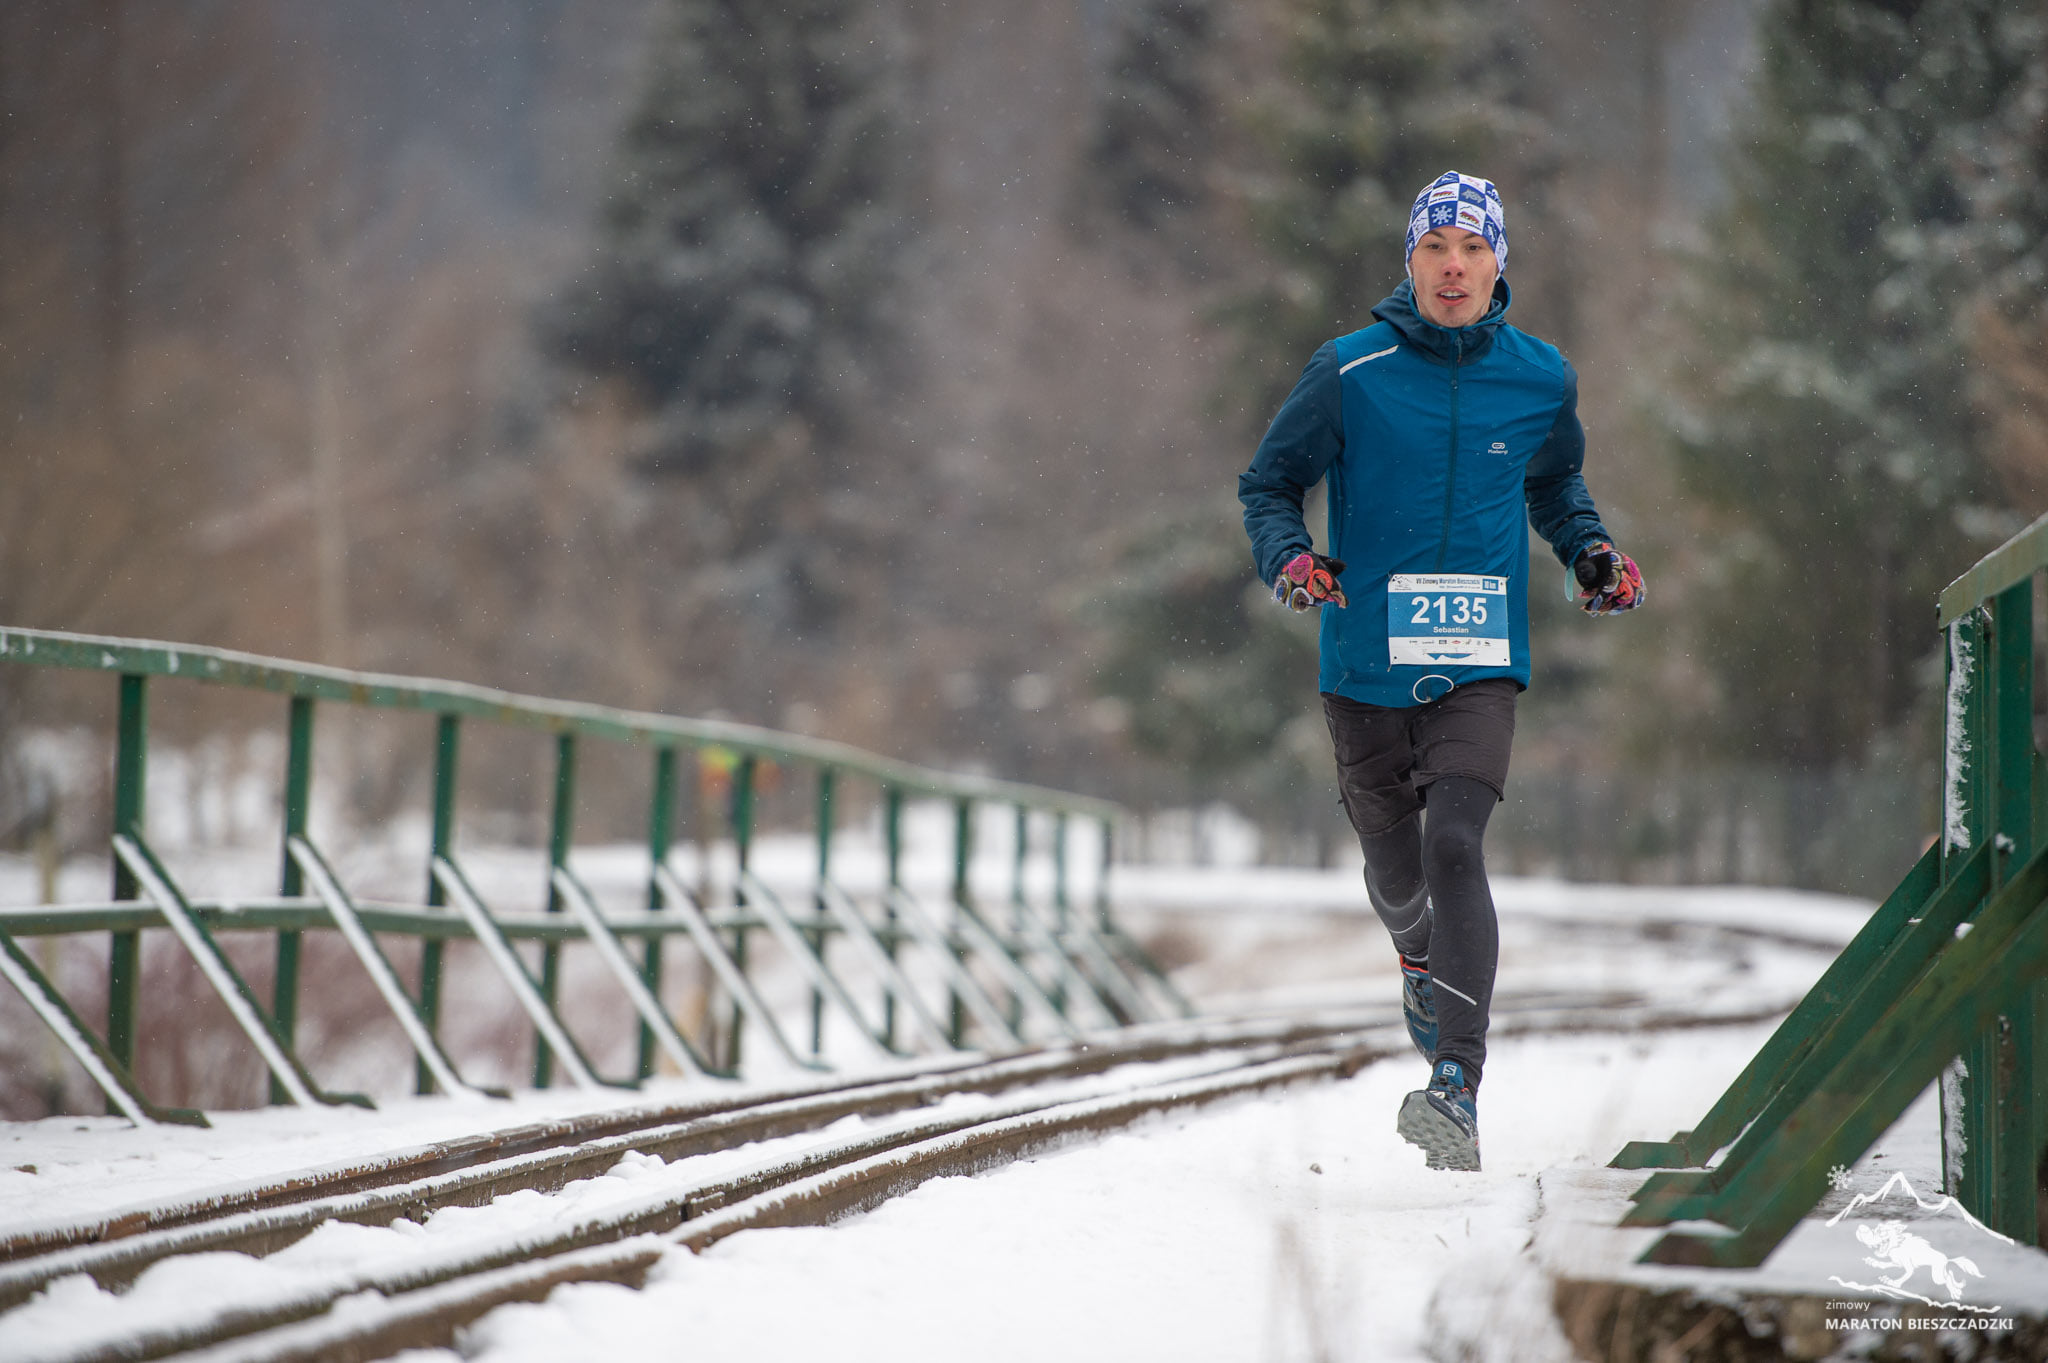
(143, 657)
(2011, 563)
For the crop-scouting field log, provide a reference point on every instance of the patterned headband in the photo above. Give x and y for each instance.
(1454, 200)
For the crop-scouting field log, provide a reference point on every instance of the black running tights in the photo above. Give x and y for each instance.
(1439, 847)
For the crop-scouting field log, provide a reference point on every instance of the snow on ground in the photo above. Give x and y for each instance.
(1291, 1226)
(1294, 1226)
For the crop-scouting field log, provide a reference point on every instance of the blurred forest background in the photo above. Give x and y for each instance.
(881, 369)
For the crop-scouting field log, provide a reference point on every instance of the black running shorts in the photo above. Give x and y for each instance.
(1387, 758)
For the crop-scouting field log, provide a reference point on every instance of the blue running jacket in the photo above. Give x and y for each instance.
(1442, 447)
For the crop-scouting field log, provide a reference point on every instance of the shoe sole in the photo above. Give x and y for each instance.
(1444, 1144)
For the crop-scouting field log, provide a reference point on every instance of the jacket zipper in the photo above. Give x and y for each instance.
(1443, 547)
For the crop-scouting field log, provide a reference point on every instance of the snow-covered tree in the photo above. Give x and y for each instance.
(1377, 98)
(2005, 245)
(1149, 164)
(1828, 414)
(1382, 97)
(757, 233)
(1217, 680)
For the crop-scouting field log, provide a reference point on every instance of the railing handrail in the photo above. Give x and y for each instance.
(2011, 563)
(229, 667)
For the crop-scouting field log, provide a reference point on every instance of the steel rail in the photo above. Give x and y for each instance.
(489, 1158)
(847, 1174)
(851, 1179)
(667, 1210)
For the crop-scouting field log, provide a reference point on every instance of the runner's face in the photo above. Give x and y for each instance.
(1454, 272)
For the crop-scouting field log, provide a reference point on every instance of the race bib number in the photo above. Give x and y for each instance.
(1447, 619)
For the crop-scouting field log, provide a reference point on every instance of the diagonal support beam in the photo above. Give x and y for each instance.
(327, 888)
(764, 901)
(988, 1015)
(678, 900)
(1014, 977)
(1092, 948)
(1684, 1195)
(1077, 985)
(1977, 977)
(285, 1066)
(844, 912)
(524, 987)
(86, 1048)
(612, 952)
(1797, 1036)
(1130, 949)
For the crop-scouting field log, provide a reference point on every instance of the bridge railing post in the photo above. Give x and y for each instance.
(892, 861)
(124, 954)
(561, 833)
(298, 785)
(433, 950)
(741, 817)
(661, 815)
(1995, 1113)
(823, 813)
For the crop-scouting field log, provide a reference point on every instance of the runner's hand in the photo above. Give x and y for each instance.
(1609, 581)
(1308, 580)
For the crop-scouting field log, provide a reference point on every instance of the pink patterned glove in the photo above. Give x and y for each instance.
(1609, 581)
(1308, 580)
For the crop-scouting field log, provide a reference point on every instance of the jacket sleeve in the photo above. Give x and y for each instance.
(1560, 507)
(1305, 438)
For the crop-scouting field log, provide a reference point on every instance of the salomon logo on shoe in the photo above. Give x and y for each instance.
(1443, 1119)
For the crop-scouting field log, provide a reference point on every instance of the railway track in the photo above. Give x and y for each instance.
(605, 1195)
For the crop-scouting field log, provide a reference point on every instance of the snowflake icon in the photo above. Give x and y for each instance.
(1839, 1178)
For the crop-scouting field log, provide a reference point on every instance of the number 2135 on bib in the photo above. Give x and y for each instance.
(1447, 619)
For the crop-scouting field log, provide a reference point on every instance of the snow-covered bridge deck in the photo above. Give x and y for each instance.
(1289, 1226)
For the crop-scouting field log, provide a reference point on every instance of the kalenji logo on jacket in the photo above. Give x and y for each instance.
(1498, 447)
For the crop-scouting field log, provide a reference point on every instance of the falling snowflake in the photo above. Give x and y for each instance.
(1839, 1178)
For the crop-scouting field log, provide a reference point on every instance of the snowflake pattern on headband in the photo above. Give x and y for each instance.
(1455, 200)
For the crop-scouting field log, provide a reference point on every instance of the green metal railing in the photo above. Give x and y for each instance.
(1944, 983)
(1048, 973)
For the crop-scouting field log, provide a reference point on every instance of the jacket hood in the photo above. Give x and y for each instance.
(1441, 343)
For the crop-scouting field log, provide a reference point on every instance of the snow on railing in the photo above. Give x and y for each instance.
(1041, 952)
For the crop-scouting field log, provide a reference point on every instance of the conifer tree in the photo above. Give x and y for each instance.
(1149, 165)
(757, 233)
(1211, 674)
(1382, 96)
(2005, 245)
(1378, 98)
(1829, 417)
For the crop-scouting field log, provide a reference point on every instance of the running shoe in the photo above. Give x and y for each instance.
(1443, 1119)
(1418, 1007)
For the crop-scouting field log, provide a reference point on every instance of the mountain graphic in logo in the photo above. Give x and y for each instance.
(1906, 1260)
